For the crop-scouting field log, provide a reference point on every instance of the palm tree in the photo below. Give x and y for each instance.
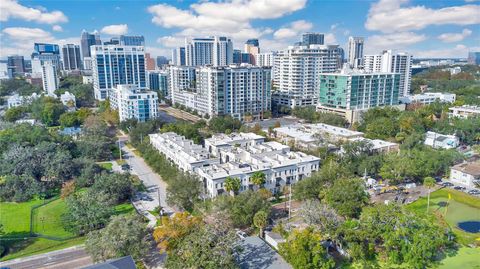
(428, 182)
(260, 220)
(232, 185)
(258, 178)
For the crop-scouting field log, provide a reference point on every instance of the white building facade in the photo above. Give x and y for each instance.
(355, 51)
(266, 59)
(465, 174)
(50, 80)
(297, 73)
(437, 140)
(133, 102)
(429, 98)
(237, 91)
(389, 61)
(216, 51)
(464, 111)
(236, 156)
(114, 64)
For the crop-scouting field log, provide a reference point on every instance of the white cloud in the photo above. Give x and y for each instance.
(330, 38)
(231, 18)
(171, 41)
(293, 30)
(19, 40)
(455, 37)
(400, 41)
(27, 34)
(389, 16)
(12, 9)
(57, 28)
(115, 29)
(459, 51)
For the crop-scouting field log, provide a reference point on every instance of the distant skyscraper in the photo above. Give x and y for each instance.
(392, 62)
(252, 47)
(178, 56)
(313, 39)
(237, 56)
(355, 51)
(158, 81)
(88, 40)
(162, 61)
(216, 51)
(112, 41)
(265, 59)
(149, 62)
(16, 65)
(42, 53)
(113, 65)
(132, 40)
(50, 79)
(474, 58)
(71, 57)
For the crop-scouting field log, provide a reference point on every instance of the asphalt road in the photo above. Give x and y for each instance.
(74, 257)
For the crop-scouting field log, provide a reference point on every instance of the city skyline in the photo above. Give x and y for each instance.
(440, 29)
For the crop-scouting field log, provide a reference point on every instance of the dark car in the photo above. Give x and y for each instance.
(474, 192)
(459, 188)
(125, 167)
(447, 184)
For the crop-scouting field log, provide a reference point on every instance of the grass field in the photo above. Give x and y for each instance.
(15, 218)
(464, 258)
(462, 207)
(107, 166)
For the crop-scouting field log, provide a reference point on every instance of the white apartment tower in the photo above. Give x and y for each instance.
(297, 72)
(355, 51)
(216, 51)
(238, 91)
(50, 79)
(388, 61)
(265, 59)
(114, 64)
(133, 102)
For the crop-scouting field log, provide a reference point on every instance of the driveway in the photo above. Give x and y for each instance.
(156, 187)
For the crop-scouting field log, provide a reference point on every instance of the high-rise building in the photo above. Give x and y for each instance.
(355, 51)
(266, 59)
(113, 65)
(112, 41)
(216, 51)
(50, 80)
(4, 71)
(352, 92)
(297, 73)
(158, 81)
(474, 58)
(87, 40)
(313, 39)
(162, 61)
(178, 56)
(252, 47)
(42, 53)
(149, 62)
(240, 91)
(388, 61)
(71, 56)
(16, 65)
(240, 57)
(132, 40)
(134, 102)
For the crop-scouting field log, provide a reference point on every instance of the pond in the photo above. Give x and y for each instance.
(470, 226)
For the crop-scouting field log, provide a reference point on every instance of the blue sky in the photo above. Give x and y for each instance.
(435, 28)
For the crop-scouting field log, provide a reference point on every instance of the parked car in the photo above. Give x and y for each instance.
(447, 184)
(126, 167)
(459, 188)
(241, 234)
(474, 192)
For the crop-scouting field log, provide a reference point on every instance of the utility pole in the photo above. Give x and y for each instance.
(119, 149)
(159, 201)
(290, 201)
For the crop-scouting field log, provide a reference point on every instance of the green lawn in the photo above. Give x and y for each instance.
(15, 218)
(47, 219)
(462, 207)
(107, 166)
(464, 258)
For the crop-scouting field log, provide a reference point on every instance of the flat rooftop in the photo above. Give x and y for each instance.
(469, 168)
(257, 254)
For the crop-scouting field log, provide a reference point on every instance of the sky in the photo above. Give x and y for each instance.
(426, 29)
